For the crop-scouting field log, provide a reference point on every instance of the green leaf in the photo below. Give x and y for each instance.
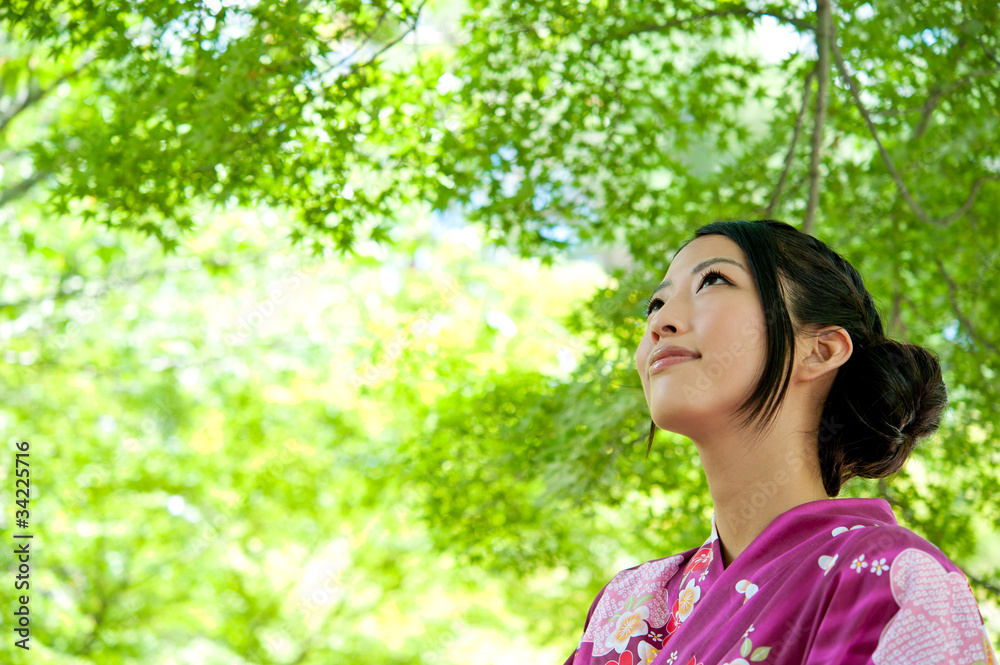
(760, 653)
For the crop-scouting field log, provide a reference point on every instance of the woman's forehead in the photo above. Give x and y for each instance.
(708, 243)
(700, 250)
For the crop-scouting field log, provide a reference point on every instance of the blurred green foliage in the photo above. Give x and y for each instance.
(263, 438)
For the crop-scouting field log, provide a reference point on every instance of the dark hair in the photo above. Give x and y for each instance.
(888, 394)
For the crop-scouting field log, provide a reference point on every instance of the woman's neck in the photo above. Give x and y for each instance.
(750, 490)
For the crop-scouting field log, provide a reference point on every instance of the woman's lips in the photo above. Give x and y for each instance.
(669, 361)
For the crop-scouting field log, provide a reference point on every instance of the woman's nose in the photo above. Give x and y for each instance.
(667, 329)
(665, 322)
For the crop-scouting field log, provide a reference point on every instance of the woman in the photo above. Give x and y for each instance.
(764, 348)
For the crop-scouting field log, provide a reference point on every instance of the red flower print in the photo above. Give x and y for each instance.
(674, 621)
(694, 661)
(700, 560)
(624, 659)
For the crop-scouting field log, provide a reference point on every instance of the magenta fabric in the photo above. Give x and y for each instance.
(832, 582)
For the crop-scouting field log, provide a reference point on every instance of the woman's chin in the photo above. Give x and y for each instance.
(679, 414)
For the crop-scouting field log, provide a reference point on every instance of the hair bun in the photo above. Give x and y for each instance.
(897, 395)
(921, 392)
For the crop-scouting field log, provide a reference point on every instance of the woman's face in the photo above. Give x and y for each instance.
(721, 320)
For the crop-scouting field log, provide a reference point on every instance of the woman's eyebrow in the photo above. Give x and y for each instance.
(704, 264)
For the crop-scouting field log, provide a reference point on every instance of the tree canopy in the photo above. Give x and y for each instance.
(282, 414)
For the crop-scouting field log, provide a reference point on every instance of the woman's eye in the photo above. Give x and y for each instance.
(710, 274)
(652, 303)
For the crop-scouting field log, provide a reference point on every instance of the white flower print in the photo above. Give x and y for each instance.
(645, 586)
(748, 631)
(673, 657)
(859, 563)
(826, 563)
(843, 529)
(747, 588)
(689, 596)
(629, 625)
(647, 652)
(879, 566)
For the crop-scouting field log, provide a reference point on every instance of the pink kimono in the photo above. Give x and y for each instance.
(831, 582)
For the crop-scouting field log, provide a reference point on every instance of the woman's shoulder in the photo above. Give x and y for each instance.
(646, 576)
(874, 548)
(882, 589)
(909, 589)
(639, 581)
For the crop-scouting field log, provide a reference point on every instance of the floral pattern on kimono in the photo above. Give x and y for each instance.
(938, 618)
(835, 581)
(633, 617)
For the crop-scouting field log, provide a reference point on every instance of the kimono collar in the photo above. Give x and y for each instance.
(799, 524)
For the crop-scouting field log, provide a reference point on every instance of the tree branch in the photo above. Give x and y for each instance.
(364, 42)
(883, 486)
(20, 189)
(962, 319)
(824, 35)
(391, 43)
(117, 281)
(923, 108)
(938, 93)
(897, 178)
(989, 586)
(806, 86)
(36, 94)
(388, 45)
(59, 294)
(896, 317)
(678, 23)
(989, 54)
(105, 601)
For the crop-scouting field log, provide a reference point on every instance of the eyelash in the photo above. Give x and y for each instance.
(710, 273)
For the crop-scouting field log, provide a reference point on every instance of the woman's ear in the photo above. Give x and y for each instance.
(823, 351)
